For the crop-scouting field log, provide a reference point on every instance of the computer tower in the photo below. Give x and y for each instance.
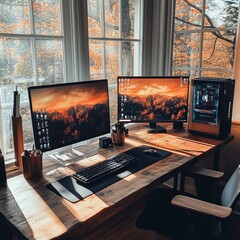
(210, 106)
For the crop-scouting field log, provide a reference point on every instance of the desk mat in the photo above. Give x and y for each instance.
(71, 190)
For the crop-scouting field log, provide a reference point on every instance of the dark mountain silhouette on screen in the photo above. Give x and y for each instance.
(156, 107)
(77, 123)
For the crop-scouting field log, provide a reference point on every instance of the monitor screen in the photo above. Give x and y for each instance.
(153, 99)
(64, 114)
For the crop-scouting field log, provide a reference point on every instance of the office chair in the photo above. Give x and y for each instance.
(181, 216)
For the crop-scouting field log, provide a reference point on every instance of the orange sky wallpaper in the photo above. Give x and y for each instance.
(144, 87)
(60, 98)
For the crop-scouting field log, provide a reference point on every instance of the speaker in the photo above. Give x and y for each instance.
(210, 107)
(105, 142)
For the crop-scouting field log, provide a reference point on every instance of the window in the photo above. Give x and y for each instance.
(35, 50)
(204, 37)
(31, 46)
(114, 42)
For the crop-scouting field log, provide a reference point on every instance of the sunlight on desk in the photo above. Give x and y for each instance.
(58, 173)
(132, 142)
(182, 146)
(130, 177)
(86, 162)
(30, 204)
(85, 208)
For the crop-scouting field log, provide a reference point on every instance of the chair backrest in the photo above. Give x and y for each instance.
(231, 189)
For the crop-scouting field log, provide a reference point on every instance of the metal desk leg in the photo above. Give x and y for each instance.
(175, 182)
(182, 182)
(216, 159)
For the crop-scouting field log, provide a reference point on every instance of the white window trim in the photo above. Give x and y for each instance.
(137, 41)
(201, 30)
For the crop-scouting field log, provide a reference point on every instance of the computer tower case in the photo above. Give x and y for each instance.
(211, 101)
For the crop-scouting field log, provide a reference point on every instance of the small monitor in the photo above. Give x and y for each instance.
(153, 100)
(68, 113)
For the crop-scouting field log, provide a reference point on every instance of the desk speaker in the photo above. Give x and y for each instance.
(105, 142)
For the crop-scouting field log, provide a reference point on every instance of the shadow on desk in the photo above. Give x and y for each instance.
(73, 191)
(8, 222)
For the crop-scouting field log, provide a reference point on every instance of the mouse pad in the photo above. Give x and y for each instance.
(71, 190)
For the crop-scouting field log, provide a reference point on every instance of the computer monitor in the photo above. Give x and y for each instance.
(68, 113)
(153, 100)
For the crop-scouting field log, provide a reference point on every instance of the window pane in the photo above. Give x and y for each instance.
(15, 66)
(112, 18)
(186, 50)
(112, 61)
(219, 74)
(218, 50)
(128, 17)
(188, 14)
(190, 73)
(14, 16)
(113, 104)
(27, 125)
(95, 55)
(49, 61)
(221, 13)
(7, 126)
(127, 58)
(94, 18)
(47, 17)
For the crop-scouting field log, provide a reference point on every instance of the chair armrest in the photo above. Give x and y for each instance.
(204, 172)
(200, 206)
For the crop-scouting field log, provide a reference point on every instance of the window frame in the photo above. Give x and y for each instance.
(32, 37)
(137, 41)
(75, 44)
(201, 31)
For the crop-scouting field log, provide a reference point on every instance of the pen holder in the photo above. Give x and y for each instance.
(118, 138)
(17, 139)
(32, 165)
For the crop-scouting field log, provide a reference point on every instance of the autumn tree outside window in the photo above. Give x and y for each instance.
(31, 46)
(204, 37)
(46, 42)
(114, 29)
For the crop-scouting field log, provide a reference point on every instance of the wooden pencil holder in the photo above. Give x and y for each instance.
(32, 165)
(118, 138)
(17, 139)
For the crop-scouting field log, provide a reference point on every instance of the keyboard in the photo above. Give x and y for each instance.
(100, 170)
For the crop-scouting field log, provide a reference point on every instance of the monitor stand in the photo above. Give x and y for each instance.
(154, 128)
(66, 155)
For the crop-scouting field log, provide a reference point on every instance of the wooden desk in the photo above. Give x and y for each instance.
(34, 212)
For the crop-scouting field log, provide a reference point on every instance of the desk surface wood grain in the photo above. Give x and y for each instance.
(34, 212)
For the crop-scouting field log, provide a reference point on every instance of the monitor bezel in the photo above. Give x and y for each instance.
(64, 85)
(152, 121)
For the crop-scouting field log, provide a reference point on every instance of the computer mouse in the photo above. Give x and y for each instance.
(151, 152)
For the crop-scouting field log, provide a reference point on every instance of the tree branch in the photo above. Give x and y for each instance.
(215, 33)
(214, 47)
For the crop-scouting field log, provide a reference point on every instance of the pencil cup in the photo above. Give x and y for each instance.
(32, 164)
(118, 138)
(17, 139)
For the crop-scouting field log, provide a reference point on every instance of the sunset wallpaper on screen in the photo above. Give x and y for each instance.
(69, 113)
(152, 99)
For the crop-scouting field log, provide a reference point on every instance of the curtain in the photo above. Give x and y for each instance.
(158, 15)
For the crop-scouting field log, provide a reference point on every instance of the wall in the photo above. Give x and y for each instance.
(230, 155)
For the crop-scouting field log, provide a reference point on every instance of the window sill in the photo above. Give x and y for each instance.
(12, 170)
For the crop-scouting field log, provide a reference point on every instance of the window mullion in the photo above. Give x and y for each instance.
(201, 38)
(103, 41)
(120, 35)
(33, 44)
(138, 33)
